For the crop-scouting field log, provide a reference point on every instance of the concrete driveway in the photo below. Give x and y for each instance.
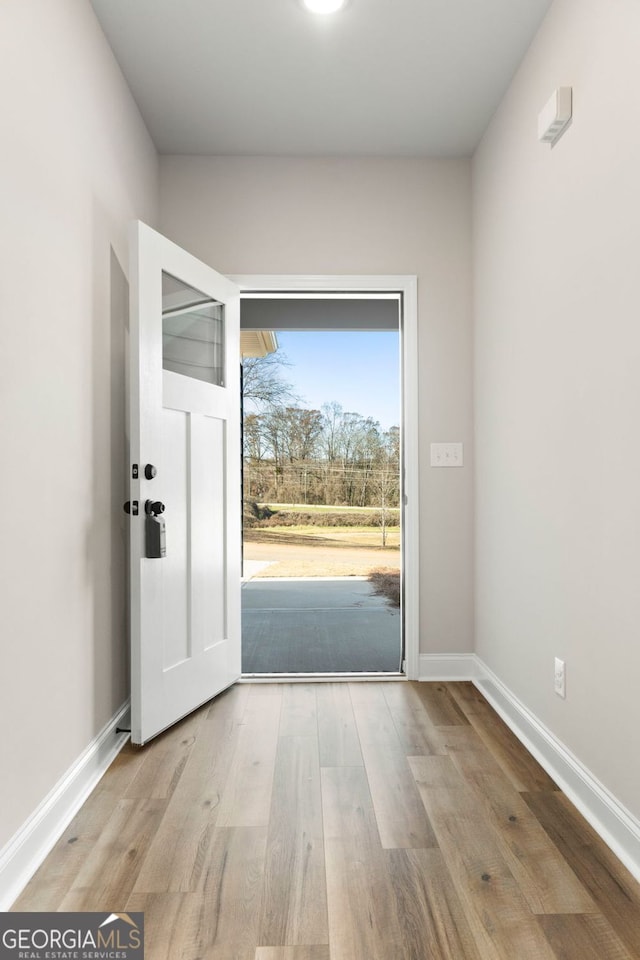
(318, 626)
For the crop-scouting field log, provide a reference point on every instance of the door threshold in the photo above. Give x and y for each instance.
(318, 677)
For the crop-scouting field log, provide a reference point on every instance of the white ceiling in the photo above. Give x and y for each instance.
(383, 77)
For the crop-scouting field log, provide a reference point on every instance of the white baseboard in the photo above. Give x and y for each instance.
(24, 853)
(619, 829)
(452, 666)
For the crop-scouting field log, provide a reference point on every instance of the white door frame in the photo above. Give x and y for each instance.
(261, 285)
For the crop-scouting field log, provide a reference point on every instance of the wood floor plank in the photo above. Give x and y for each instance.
(246, 798)
(499, 917)
(164, 919)
(299, 715)
(337, 733)
(441, 707)
(417, 733)
(178, 852)
(614, 891)
(316, 952)
(583, 938)
(51, 882)
(363, 923)
(523, 770)
(223, 919)
(429, 911)
(294, 907)
(548, 883)
(109, 872)
(164, 759)
(400, 815)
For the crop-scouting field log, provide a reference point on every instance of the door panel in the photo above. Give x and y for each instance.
(208, 543)
(173, 470)
(185, 606)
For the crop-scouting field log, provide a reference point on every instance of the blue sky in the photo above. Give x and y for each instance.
(359, 370)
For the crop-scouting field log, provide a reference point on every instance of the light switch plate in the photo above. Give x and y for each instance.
(446, 455)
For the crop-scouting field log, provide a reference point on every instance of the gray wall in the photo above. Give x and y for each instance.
(76, 164)
(557, 389)
(370, 216)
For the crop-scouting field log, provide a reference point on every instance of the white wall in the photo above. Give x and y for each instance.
(557, 389)
(76, 164)
(363, 216)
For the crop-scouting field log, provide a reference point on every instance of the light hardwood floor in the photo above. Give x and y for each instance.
(360, 821)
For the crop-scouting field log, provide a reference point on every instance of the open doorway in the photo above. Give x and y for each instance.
(322, 485)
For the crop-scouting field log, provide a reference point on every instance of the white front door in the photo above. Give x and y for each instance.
(185, 457)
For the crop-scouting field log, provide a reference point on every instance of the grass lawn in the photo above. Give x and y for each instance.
(354, 537)
(323, 508)
(305, 550)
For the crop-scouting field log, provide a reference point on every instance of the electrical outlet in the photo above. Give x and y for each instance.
(560, 678)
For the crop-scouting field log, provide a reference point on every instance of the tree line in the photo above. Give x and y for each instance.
(297, 455)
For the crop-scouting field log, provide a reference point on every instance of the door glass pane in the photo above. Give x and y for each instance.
(192, 332)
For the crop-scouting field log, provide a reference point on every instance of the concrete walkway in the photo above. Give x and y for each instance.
(318, 626)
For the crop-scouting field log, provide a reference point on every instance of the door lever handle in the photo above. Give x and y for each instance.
(153, 508)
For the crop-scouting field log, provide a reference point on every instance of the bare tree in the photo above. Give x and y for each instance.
(263, 384)
(386, 477)
(296, 455)
(267, 393)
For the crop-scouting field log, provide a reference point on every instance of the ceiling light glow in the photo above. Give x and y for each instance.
(324, 6)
